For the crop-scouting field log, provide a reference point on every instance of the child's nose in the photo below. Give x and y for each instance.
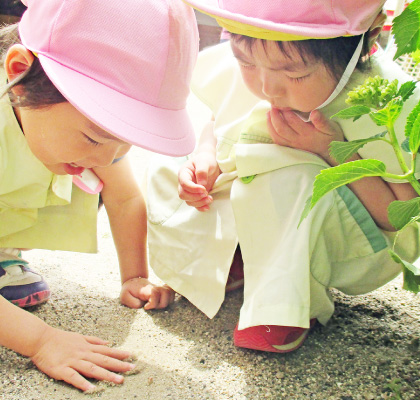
(271, 87)
(104, 156)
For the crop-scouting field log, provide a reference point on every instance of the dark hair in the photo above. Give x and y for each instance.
(38, 90)
(334, 53)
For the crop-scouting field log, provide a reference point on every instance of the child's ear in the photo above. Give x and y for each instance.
(376, 28)
(18, 60)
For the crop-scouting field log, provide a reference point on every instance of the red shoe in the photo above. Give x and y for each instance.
(274, 338)
(236, 273)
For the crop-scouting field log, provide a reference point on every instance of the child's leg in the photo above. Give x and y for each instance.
(275, 251)
(18, 283)
(288, 269)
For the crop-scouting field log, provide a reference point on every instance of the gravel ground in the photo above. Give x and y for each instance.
(369, 350)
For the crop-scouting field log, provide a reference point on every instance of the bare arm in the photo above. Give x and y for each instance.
(126, 210)
(374, 193)
(61, 355)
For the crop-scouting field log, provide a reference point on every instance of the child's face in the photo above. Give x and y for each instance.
(285, 81)
(64, 140)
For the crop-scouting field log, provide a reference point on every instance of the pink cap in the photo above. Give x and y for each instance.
(297, 19)
(126, 65)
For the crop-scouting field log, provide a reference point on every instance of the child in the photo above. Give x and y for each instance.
(86, 79)
(294, 64)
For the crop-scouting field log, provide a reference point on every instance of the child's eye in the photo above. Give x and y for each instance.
(91, 141)
(246, 66)
(298, 79)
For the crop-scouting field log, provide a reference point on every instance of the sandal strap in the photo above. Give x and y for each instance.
(6, 260)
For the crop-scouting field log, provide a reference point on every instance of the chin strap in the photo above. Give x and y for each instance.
(305, 116)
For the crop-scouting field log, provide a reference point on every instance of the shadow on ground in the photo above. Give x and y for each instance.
(370, 345)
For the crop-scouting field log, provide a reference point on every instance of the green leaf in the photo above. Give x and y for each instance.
(411, 119)
(405, 29)
(342, 151)
(414, 138)
(416, 57)
(401, 213)
(405, 145)
(411, 273)
(306, 210)
(388, 114)
(352, 112)
(332, 178)
(406, 90)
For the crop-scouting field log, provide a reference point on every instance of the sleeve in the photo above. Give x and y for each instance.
(217, 81)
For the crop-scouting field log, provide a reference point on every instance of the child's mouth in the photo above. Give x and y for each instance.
(73, 169)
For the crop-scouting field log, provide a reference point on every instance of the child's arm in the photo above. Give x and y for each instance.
(126, 210)
(61, 355)
(197, 176)
(289, 130)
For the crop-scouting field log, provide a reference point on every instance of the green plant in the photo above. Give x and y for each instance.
(395, 387)
(383, 102)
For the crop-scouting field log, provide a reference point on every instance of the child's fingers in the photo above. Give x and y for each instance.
(96, 340)
(202, 177)
(110, 363)
(116, 354)
(296, 124)
(160, 297)
(167, 296)
(320, 122)
(186, 179)
(278, 128)
(201, 203)
(73, 378)
(192, 196)
(323, 124)
(131, 301)
(154, 299)
(92, 370)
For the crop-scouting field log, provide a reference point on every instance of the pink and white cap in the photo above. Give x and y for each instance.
(125, 65)
(292, 20)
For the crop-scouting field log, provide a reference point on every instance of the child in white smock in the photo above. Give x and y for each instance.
(83, 80)
(272, 89)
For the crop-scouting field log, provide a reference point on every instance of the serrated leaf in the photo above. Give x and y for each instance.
(405, 145)
(352, 112)
(306, 210)
(388, 114)
(342, 151)
(411, 118)
(416, 57)
(406, 28)
(411, 273)
(401, 213)
(414, 138)
(332, 178)
(406, 90)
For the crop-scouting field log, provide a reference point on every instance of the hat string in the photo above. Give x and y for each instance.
(305, 116)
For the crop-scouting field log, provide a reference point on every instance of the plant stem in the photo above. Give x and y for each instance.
(396, 147)
(409, 174)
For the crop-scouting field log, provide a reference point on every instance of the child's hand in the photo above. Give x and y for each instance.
(139, 292)
(287, 129)
(69, 356)
(196, 178)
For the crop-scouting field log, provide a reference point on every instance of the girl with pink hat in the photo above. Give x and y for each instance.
(83, 80)
(271, 91)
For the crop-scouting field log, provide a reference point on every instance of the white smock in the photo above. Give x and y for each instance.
(258, 201)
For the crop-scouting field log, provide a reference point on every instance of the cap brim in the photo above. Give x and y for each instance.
(168, 132)
(263, 29)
